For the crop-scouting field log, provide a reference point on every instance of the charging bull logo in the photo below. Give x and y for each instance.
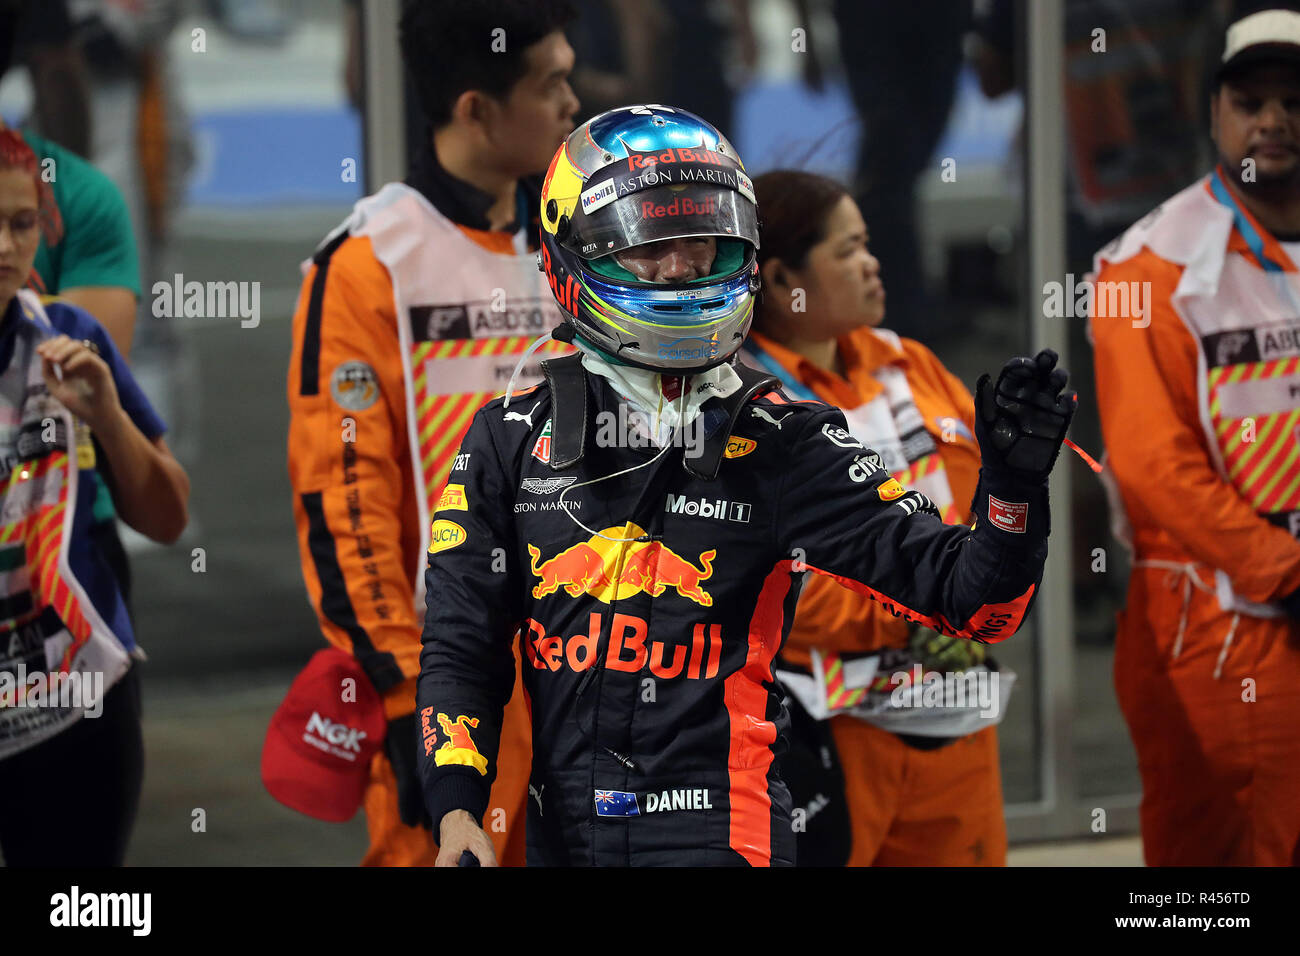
(623, 568)
(460, 747)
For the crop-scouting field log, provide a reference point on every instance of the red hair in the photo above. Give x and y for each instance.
(16, 153)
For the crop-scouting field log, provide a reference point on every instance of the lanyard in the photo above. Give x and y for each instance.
(1255, 242)
(1244, 226)
(791, 384)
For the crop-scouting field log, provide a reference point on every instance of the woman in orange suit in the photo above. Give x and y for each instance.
(878, 784)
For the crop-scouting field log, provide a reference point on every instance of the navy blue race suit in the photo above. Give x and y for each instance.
(648, 663)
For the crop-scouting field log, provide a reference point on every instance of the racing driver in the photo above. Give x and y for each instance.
(651, 576)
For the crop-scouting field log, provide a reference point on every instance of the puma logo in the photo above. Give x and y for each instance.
(762, 413)
(536, 794)
(519, 417)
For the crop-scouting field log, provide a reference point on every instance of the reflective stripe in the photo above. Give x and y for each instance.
(450, 388)
(1245, 397)
(749, 751)
(984, 617)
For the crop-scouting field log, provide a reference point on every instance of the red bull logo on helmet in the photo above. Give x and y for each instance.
(628, 649)
(622, 568)
(637, 160)
(566, 291)
(679, 206)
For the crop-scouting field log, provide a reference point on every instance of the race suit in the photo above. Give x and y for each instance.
(657, 722)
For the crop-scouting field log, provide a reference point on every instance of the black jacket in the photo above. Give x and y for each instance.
(648, 664)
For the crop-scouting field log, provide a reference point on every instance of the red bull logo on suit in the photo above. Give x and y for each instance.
(620, 568)
(628, 650)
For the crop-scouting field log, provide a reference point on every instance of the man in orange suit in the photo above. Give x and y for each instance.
(1199, 390)
(411, 316)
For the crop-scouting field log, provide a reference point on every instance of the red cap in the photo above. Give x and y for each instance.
(316, 758)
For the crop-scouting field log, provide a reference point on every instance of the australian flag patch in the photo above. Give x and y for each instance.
(616, 803)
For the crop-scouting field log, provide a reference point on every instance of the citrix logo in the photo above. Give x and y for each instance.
(339, 735)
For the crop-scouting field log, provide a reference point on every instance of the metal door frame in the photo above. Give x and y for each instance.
(1060, 812)
(383, 100)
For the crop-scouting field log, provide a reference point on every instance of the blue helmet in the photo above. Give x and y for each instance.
(637, 175)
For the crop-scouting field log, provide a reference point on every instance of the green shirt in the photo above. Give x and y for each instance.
(98, 246)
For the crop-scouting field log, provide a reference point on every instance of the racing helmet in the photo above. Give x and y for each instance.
(640, 174)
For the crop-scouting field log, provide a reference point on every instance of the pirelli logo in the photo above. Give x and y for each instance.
(453, 499)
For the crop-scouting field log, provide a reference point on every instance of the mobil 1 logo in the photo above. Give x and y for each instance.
(718, 508)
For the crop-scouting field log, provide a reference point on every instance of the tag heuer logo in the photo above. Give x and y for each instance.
(542, 450)
(545, 486)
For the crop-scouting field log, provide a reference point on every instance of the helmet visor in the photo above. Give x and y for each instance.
(665, 207)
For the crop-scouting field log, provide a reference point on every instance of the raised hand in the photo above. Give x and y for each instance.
(1021, 421)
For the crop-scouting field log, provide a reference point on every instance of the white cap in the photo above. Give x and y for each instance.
(1261, 37)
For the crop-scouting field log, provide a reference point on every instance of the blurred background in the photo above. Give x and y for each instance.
(984, 163)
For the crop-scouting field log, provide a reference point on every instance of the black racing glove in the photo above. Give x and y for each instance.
(399, 746)
(1021, 422)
